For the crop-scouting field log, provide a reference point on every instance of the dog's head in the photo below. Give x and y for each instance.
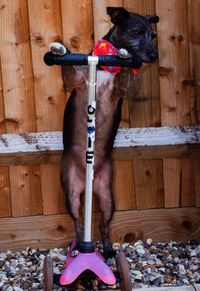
(133, 32)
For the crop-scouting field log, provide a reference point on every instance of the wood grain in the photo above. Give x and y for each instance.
(177, 99)
(187, 183)
(196, 177)
(48, 86)
(125, 138)
(172, 186)
(130, 143)
(52, 231)
(50, 97)
(194, 41)
(119, 153)
(17, 77)
(173, 45)
(16, 65)
(144, 104)
(160, 224)
(27, 196)
(5, 199)
(77, 24)
(124, 185)
(53, 196)
(149, 186)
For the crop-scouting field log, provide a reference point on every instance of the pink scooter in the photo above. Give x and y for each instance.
(88, 258)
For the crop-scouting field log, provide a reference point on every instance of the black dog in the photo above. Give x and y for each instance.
(134, 33)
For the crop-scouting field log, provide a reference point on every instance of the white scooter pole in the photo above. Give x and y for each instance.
(92, 62)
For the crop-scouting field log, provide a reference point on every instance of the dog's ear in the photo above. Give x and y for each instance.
(117, 14)
(152, 18)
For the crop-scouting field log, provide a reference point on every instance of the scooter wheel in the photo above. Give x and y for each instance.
(48, 273)
(123, 266)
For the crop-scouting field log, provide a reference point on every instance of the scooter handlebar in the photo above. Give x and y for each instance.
(82, 59)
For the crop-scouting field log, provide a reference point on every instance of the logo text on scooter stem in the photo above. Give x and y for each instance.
(89, 157)
(91, 112)
(91, 133)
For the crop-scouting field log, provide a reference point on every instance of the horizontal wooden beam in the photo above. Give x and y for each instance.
(143, 143)
(179, 224)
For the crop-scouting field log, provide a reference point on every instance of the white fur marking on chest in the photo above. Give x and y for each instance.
(105, 80)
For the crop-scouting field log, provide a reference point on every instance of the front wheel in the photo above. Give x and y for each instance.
(48, 273)
(123, 266)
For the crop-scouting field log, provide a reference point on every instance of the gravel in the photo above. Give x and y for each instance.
(152, 264)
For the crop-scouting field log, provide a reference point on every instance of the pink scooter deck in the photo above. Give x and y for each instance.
(86, 261)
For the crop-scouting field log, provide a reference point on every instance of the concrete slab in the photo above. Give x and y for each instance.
(181, 288)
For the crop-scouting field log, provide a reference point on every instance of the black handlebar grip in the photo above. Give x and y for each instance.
(82, 59)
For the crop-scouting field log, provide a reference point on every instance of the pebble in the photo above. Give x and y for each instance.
(181, 269)
(137, 275)
(149, 241)
(152, 264)
(2, 262)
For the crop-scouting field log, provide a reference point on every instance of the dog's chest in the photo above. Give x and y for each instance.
(106, 97)
(109, 89)
(104, 88)
(105, 79)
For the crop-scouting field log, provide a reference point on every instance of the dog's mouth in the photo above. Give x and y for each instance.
(150, 57)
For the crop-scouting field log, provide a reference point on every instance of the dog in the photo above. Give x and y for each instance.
(134, 33)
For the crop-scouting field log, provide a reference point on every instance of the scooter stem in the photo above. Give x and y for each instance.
(92, 62)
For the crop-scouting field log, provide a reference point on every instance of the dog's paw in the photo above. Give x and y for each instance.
(57, 48)
(123, 53)
(108, 252)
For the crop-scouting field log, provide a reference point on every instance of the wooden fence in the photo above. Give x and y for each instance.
(157, 194)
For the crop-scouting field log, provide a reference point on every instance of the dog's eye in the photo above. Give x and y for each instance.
(136, 33)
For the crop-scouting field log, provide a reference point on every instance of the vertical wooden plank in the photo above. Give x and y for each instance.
(5, 199)
(148, 179)
(174, 60)
(196, 175)
(187, 184)
(124, 190)
(172, 186)
(194, 38)
(26, 182)
(77, 23)
(16, 66)
(144, 106)
(18, 88)
(49, 91)
(54, 202)
(194, 46)
(123, 179)
(144, 100)
(177, 100)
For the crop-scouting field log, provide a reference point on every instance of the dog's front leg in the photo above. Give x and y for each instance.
(73, 76)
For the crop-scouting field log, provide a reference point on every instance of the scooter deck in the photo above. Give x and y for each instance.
(79, 264)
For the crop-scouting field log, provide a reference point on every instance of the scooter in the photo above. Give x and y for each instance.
(88, 257)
